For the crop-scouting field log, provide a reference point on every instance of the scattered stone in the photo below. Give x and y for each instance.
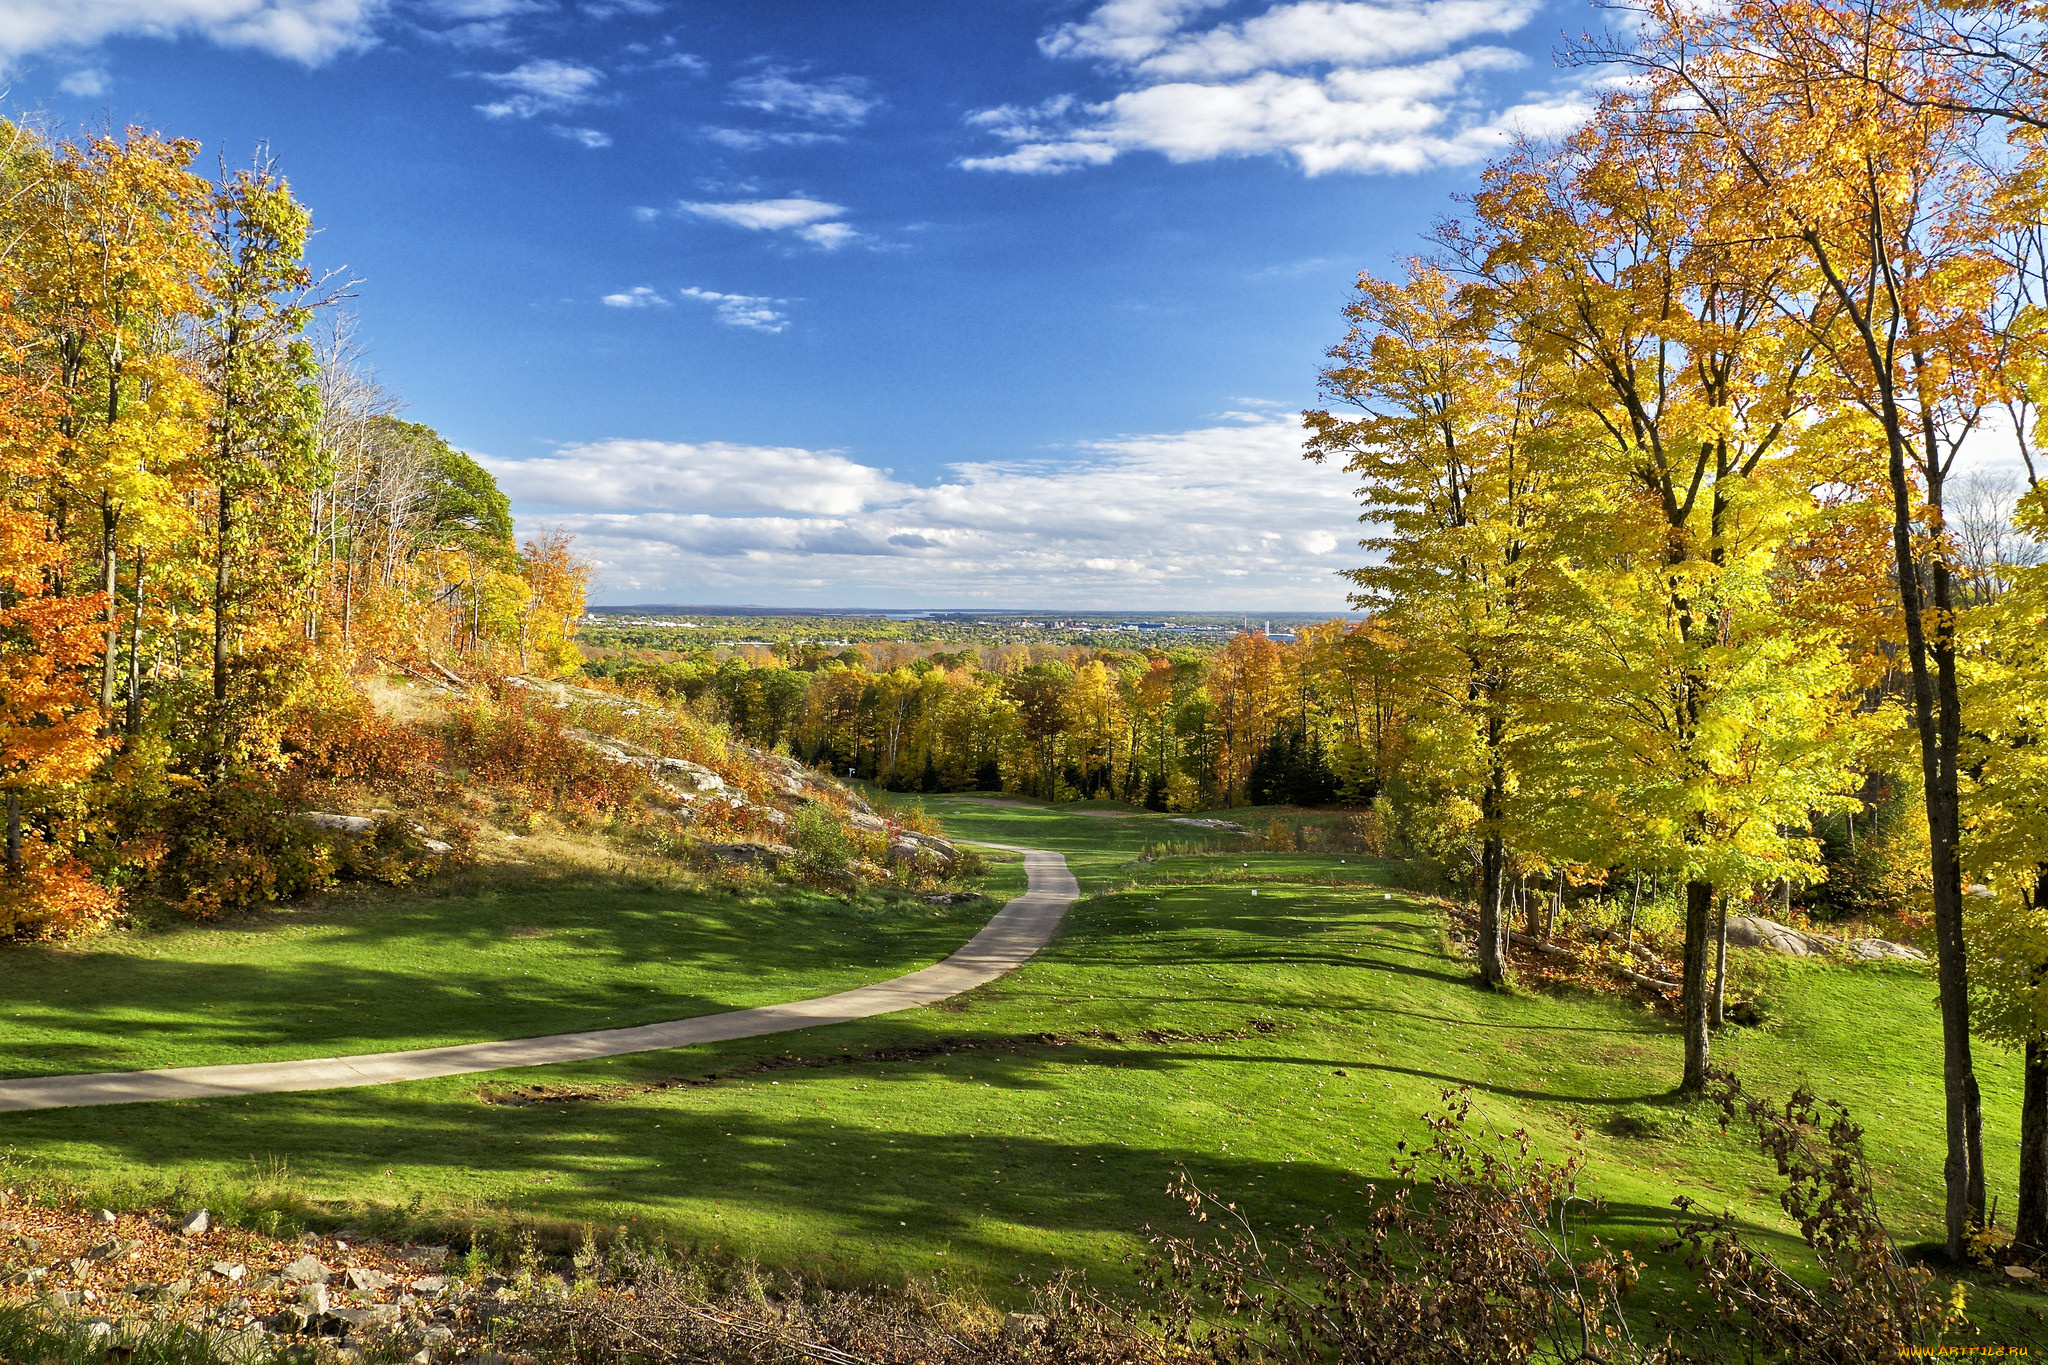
(80, 1267)
(307, 1268)
(1202, 823)
(952, 898)
(196, 1222)
(376, 1315)
(66, 1298)
(438, 848)
(313, 1299)
(107, 1251)
(228, 1270)
(429, 1285)
(365, 1281)
(99, 1327)
(1023, 1325)
(107, 1216)
(427, 1258)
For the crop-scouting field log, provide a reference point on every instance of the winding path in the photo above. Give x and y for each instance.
(1005, 943)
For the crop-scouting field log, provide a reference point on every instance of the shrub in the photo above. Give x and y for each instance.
(824, 849)
(1871, 1306)
(1473, 1259)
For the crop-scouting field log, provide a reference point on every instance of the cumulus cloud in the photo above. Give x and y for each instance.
(712, 478)
(589, 137)
(842, 101)
(639, 296)
(1336, 85)
(810, 219)
(749, 312)
(87, 84)
(541, 86)
(1227, 515)
(308, 31)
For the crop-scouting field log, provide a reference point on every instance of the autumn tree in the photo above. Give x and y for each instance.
(1449, 452)
(1872, 188)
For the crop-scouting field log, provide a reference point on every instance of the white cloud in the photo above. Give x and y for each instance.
(769, 215)
(750, 312)
(842, 101)
(639, 296)
(87, 84)
(1336, 85)
(308, 31)
(541, 86)
(1219, 517)
(813, 220)
(589, 137)
(749, 140)
(712, 478)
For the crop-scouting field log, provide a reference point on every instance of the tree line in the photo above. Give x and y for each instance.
(1256, 721)
(209, 514)
(1659, 438)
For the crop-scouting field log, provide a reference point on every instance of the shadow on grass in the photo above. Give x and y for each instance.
(552, 955)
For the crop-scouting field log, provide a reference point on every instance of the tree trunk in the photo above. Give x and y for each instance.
(110, 668)
(2030, 1229)
(1493, 925)
(134, 725)
(1721, 966)
(1692, 998)
(13, 832)
(220, 612)
(1556, 907)
(1628, 945)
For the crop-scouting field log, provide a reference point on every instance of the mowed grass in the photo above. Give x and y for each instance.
(1275, 1045)
(373, 973)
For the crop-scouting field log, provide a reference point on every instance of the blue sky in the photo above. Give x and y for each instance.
(922, 304)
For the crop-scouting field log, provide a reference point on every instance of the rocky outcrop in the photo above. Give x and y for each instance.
(1201, 822)
(1753, 931)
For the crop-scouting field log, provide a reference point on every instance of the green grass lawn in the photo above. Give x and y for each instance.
(1275, 1044)
(373, 973)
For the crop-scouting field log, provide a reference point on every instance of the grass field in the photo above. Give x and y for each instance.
(1272, 1022)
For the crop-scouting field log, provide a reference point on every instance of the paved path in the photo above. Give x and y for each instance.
(1006, 942)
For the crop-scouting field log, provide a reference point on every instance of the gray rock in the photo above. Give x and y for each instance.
(700, 776)
(438, 848)
(869, 823)
(313, 1299)
(376, 1315)
(196, 1222)
(107, 1216)
(307, 1269)
(66, 1298)
(1751, 931)
(366, 1281)
(750, 853)
(347, 824)
(290, 1320)
(228, 1270)
(429, 1285)
(427, 1258)
(1875, 949)
(1203, 823)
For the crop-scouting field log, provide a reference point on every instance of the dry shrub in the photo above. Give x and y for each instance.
(353, 745)
(521, 744)
(641, 1308)
(1474, 1259)
(1871, 1306)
